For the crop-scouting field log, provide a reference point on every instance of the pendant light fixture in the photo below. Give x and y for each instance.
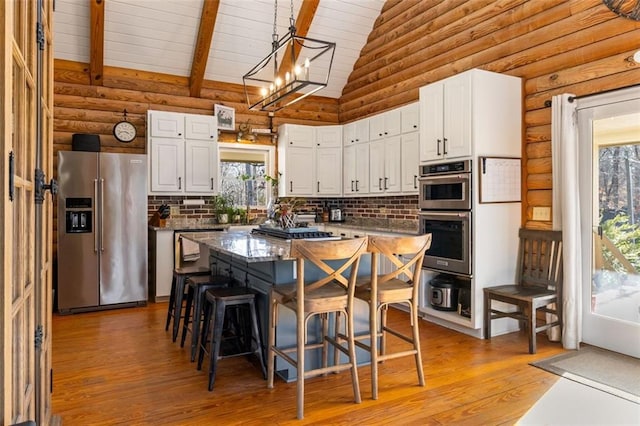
(296, 68)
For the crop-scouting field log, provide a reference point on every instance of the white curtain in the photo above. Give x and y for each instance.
(566, 212)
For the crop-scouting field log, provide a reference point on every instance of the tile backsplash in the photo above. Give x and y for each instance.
(399, 211)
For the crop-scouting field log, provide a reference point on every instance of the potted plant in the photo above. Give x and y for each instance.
(221, 207)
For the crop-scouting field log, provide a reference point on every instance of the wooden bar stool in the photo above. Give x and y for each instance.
(196, 287)
(221, 306)
(332, 292)
(176, 296)
(401, 285)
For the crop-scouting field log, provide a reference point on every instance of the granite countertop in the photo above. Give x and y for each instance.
(189, 225)
(244, 245)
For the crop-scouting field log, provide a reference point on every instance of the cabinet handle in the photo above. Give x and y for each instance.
(380, 184)
(179, 134)
(352, 182)
(385, 183)
(318, 186)
(357, 185)
(386, 133)
(290, 186)
(379, 134)
(211, 136)
(415, 181)
(290, 142)
(357, 140)
(179, 183)
(438, 153)
(444, 146)
(415, 126)
(212, 183)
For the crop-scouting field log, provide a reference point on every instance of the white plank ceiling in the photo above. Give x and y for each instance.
(160, 35)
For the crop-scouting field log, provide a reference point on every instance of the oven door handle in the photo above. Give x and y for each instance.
(447, 214)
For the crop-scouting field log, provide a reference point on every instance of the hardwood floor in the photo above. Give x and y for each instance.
(121, 367)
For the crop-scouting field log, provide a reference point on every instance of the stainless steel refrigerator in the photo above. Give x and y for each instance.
(102, 230)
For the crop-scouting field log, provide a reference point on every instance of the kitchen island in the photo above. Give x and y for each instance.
(260, 262)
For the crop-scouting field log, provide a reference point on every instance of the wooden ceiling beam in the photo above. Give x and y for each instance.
(303, 23)
(96, 50)
(203, 45)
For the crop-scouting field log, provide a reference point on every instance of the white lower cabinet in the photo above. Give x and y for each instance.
(160, 264)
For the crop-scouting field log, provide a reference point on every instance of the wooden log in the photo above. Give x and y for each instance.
(457, 41)
(539, 181)
(538, 149)
(540, 197)
(415, 76)
(538, 165)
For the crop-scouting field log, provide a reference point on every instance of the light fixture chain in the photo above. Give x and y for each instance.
(292, 22)
(275, 24)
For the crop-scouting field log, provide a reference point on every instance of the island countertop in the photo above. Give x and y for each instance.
(244, 245)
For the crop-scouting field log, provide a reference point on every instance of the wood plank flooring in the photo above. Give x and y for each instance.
(121, 367)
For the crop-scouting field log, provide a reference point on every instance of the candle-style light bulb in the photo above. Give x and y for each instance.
(271, 88)
(307, 64)
(263, 92)
(278, 82)
(287, 77)
(297, 70)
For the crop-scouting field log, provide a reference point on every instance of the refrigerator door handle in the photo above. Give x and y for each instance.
(101, 214)
(95, 199)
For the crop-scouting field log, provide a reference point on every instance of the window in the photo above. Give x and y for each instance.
(242, 172)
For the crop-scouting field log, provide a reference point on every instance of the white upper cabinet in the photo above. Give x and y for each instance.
(182, 163)
(203, 127)
(410, 117)
(328, 158)
(356, 132)
(310, 160)
(410, 148)
(165, 124)
(202, 159)
(328, 136)
(385, 125)
(166, 165)
(300, 136)
(384, 163)
(446, 119)
(469, 115)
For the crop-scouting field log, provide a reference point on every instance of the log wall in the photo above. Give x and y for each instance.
(555, 46)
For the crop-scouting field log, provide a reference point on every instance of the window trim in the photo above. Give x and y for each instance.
(268, 149)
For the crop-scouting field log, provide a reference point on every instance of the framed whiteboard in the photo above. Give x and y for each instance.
(500, 180)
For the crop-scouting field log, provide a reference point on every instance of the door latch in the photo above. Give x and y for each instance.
(41, 187)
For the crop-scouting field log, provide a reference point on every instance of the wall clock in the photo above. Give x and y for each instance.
(125, 131)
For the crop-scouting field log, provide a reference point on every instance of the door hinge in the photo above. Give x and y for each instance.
(40, 35)
(12, 171)
(39, 336)
(41, 186)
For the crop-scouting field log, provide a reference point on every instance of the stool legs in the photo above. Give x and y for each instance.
(218, 309)
(178, 297)
(172, 303)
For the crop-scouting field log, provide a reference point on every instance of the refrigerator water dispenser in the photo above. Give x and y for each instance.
(78, 222)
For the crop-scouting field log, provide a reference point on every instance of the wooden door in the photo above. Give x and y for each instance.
(25, 305)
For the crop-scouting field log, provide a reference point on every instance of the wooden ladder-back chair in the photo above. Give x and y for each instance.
(401, 286)
(538, 287)
(333, 292)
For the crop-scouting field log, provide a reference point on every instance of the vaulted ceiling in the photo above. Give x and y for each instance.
(218, 40)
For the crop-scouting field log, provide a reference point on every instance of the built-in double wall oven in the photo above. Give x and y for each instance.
(446, 213)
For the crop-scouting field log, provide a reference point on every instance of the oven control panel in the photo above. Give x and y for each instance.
(463, 166)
